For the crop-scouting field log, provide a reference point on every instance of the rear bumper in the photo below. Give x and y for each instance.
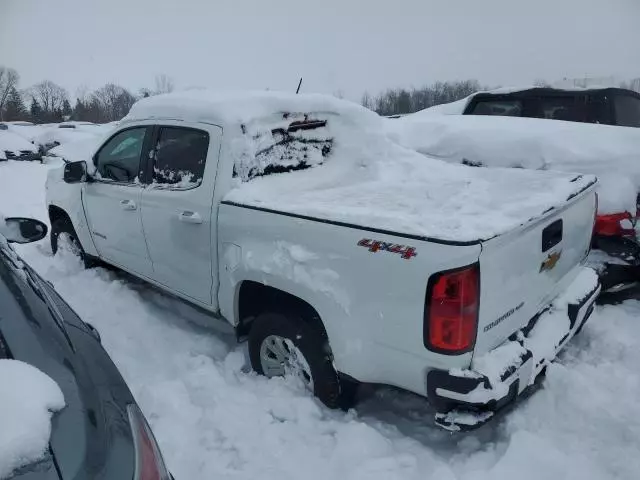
(465, 399)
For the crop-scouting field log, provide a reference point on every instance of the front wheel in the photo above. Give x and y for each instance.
(63, 236)
(284, 344)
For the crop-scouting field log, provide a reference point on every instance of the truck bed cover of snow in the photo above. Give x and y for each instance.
(610, 152)
(348, 171)
(463, 207)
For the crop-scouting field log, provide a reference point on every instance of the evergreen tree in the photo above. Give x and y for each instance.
(36, 111)
(14, 107)
(66, 109)
(79, 111)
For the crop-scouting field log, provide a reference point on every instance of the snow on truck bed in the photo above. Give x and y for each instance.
(349, 171)
(609, 152)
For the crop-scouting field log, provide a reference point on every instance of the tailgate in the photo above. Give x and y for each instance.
(523, 270)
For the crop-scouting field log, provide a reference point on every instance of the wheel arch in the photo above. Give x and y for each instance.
(254, 298)
(56, 213)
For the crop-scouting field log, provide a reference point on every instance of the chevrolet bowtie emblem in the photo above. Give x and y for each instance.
(551, 261)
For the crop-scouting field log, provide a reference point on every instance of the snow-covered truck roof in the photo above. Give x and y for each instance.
(609, 152)
(229, 108)
(326, 158)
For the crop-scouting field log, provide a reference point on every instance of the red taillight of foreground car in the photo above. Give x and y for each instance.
(149, 463)
(451, 310)
(614, 225)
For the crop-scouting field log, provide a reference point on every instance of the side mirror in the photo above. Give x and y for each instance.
(23, 230)
(75, 172)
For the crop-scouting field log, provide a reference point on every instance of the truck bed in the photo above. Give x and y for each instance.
(415, 196)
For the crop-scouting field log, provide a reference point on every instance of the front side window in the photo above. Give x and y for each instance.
(507, 108)
(627, 111)
(180, 156)
(119, 159)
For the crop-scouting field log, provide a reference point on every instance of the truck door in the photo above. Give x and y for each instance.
(112, 201)
(177, 209)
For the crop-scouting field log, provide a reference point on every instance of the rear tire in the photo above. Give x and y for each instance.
(62, 231)
(298, 337)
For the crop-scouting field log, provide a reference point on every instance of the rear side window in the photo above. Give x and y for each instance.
(508, 108)
(627, 111)
(180, 156)
(570, 109)
(119, 159)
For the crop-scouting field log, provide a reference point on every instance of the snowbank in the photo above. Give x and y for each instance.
(29, 397)
(77, 150)
(53, 134)
(28, 132)
(11, 142)
(453, 108)
(611, 153)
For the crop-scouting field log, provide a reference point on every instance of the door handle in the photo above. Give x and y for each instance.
(190, 217)
(127, 204)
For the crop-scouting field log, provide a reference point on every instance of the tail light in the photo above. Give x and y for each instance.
(614, 225)
(451, 310)
(149, 463)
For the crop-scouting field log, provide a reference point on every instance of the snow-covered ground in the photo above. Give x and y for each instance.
(216, 420)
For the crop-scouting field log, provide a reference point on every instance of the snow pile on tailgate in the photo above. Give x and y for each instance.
(326, 158)
(612, 153)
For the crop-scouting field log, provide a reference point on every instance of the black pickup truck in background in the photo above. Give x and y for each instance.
(609, 106)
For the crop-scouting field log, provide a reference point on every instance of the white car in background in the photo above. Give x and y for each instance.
(341, 256)
(15, 147)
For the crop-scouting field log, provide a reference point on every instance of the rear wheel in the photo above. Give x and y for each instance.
(285, 344)
(63, 236)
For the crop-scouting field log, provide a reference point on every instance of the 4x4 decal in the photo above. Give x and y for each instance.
(377, 246)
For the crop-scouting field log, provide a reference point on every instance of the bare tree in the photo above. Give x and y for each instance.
(82, 93)
(164, 84)
(367, 101)
(400, 101)
(51, 97)
(8, 81)
(114, 102)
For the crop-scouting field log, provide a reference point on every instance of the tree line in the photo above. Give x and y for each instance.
(48, 102)
(400, 100)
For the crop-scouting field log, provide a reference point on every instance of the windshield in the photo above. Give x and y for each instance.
(32, 280)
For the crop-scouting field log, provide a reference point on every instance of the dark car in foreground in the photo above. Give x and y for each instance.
(101, 433)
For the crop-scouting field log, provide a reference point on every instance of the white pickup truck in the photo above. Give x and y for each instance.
(341, 256)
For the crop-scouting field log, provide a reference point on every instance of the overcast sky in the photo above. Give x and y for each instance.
(336, 45)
